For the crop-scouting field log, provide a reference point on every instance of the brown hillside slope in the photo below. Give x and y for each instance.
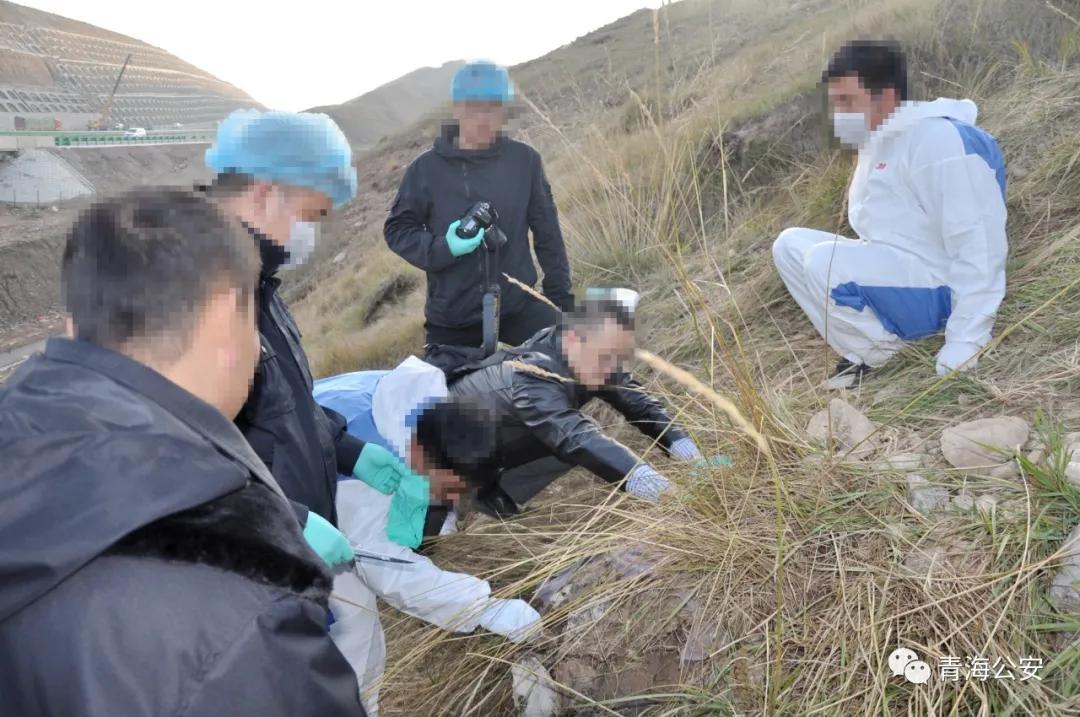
(392, 107)
(796, 571)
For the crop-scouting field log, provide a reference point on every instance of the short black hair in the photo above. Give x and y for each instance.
(227, 184)
(460, 435)
(879, 65)
(140, 266)
(591, 313)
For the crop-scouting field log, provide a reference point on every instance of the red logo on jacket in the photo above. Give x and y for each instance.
(881, 165)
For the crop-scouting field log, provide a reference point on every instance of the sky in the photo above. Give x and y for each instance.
(294, 56)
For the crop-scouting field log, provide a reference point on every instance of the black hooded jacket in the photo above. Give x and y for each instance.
(541, 415)
(304, 445)
(439, 187)
(149, 565)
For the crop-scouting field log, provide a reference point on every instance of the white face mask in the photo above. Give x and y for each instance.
(851, 128)
(300, 244)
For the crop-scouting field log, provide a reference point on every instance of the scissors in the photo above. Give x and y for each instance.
(359, 554)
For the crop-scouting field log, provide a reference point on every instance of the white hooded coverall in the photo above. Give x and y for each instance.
(928, 203)
(452, 601)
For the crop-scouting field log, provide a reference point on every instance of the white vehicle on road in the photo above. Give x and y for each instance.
(135, 132)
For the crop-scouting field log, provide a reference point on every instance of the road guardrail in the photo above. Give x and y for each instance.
(94, 138)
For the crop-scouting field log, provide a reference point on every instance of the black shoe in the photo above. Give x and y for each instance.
(495, 502)
(847, 375)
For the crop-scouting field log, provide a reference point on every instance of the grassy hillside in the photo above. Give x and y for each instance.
(385, 110)
(679, 144)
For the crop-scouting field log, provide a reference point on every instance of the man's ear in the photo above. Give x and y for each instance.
(416, 457)
(217, 320)
(259, 194)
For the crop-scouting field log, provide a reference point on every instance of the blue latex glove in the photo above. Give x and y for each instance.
(327, 541)
(386, 473)
(459, 246)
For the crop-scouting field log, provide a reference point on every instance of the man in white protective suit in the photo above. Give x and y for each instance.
(927, 202)
(448, 442)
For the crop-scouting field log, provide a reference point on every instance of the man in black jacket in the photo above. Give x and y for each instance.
(539, 388)
(280, 173)
(149, 563)
(470, 162)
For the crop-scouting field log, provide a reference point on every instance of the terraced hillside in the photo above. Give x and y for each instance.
(54, 68)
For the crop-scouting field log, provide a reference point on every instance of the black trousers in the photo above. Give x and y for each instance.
(514, 328)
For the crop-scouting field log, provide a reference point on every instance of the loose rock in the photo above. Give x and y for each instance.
(1072, 473)
(534, 692)
(1065, 588)
(924, 497)
(902, 462)
(963, 502)
(986, 504)
(985, 444)
(1005, 470)
(850, 430)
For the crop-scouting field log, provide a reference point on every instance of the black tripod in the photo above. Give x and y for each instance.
(494, 239)
(483, 217)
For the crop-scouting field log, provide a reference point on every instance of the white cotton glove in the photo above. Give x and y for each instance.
(644, 482)
(513, 619)
(685, 450)
(953, 354)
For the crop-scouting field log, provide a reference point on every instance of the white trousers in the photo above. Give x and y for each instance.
(814, 264)
(452, 601)
(358, 634)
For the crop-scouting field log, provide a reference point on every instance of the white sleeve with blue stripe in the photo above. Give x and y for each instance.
(958, 175)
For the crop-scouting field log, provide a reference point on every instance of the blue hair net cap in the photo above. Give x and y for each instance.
(481, 82)
(301, 149)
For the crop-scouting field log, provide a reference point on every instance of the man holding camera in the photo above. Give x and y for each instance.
(472, 162)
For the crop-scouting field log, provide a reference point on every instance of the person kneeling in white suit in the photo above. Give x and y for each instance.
(928, 203)
(448, 442)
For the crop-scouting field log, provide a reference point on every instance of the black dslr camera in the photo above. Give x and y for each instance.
(483, 216)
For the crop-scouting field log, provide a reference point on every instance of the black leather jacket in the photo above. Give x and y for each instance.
(541, 416)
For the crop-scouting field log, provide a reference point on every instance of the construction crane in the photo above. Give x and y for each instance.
(99, 123)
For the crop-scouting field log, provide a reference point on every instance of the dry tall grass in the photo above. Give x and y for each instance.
(813, 569)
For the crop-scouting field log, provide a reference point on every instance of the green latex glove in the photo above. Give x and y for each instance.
(714, 461)
(379, 468)
(408, 510)
(386, 473)
(717, 461)
(459, 246)
(327, 541)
